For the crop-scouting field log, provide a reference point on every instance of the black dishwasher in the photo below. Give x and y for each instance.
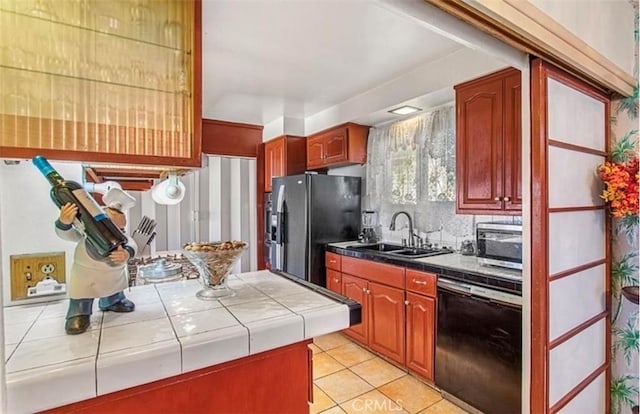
(479, 346)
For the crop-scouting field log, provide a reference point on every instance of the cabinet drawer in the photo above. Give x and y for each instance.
(332, 261)
(376, 272)
(420, 282)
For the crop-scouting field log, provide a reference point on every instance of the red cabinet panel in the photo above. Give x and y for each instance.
(488, 142)
(341, 145)
(334, 281)
(421, 322)
(386, 321)
(356, 288)
(285, 155)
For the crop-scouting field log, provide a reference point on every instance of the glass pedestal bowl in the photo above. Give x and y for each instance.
(214, 262)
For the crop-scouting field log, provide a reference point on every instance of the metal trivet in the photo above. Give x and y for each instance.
(189, 271)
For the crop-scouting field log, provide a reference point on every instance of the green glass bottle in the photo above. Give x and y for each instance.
(102, 235)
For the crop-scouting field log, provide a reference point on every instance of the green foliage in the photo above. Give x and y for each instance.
(629, 226)
(624, 392)
(623, 271)
(629, 104)
(624, 147)
(627, 339)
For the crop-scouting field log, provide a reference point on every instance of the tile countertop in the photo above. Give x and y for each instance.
(171, 332)
(451, 264)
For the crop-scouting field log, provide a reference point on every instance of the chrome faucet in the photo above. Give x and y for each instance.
(392, 226)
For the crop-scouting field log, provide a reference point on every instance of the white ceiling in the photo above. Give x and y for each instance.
(265, 61)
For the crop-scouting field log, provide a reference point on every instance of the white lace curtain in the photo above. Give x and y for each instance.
(411, 167)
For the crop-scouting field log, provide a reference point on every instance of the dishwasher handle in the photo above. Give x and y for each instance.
(454, 286)
(489, 295)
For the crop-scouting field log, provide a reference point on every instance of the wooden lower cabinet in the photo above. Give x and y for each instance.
(398, 310)
(386, 321)
(334, 281)
(244, 385)
(421, 321)
(356, 289)
(382, 327)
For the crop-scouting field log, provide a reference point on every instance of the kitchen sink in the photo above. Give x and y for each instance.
(379, 247)
(402, 251)
(418, 253)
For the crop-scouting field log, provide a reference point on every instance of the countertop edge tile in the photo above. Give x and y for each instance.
(138, 364)
(213, 347)
(321, 321)
(267, 334)
(54, 386)
(130, 367)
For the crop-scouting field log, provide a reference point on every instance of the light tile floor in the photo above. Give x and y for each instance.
(349, 379)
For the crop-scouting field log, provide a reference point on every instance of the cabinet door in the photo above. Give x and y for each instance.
(386, 321)
(107, 89)
(334, 281)
(479, 157)
(421, 334)
(274, 162)
(315, 151)
(335, 147)
(513, 143)
(355, 288)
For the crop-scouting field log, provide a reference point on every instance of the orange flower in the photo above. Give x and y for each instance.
(621, 187)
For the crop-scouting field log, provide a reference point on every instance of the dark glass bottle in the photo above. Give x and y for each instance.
(103, 236)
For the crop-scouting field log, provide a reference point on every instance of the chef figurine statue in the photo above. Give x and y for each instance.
(94, 277)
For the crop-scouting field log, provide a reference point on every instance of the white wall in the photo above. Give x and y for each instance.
(605, 25)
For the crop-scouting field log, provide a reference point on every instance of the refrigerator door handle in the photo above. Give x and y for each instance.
(280, 233)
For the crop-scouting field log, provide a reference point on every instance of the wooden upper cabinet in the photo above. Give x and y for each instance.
(341, 145)
(513, 142)
(488, 143)
(123, 88)
(285, 155)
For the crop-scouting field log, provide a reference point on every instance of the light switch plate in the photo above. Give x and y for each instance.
(29, 269)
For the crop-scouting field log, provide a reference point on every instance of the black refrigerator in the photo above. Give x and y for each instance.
(307, 212)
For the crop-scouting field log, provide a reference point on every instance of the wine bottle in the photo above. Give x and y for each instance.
(102, 235)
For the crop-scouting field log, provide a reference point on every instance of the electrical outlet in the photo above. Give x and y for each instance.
(48, 268)
(29, 269)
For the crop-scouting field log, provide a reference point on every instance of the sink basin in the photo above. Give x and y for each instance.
(417, 253)
(402, 251)
(379, 247)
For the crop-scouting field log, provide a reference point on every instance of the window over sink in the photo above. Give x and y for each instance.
(411, 166)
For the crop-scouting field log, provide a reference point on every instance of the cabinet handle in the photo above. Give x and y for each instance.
(336, 280)
(497, 198)
(419, 282)
(364, 290)
(368, 292)
(333, 261)
(507, 199)
(406, 302)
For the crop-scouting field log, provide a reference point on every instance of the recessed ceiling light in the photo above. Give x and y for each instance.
(405, 110)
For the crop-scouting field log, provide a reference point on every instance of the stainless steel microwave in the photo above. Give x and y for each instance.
(499, 244)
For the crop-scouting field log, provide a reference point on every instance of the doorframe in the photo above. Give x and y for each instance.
(540, 341)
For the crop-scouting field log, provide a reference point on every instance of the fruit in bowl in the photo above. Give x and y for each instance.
(214, 261)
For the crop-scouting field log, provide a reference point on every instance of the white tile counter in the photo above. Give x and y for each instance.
(171, 332)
